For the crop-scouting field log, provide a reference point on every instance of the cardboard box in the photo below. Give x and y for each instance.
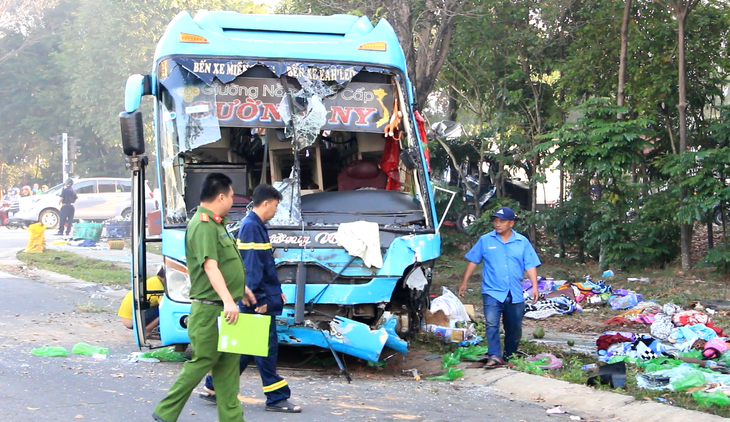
(470, 312)
(439, 318)
(448, 335)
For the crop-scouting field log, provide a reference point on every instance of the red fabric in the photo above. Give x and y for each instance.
(619, 320)
(389, 163)
(718, 330)
(606, 340)
(421, 122)
(680, 319)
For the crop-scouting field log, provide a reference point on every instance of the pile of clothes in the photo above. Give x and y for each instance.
(673, 331)
(560, 297)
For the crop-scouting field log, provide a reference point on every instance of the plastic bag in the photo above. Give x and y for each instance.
(471, 353)
(49, 351)
(546, 361)
(89, 350)
(88, 230)
(451, 305)
(660, 364)
(692, 379)
(450, 360)
(624, 302)
(692, 354)
(36, 238)
(450, 375)
(708, 399)
(623, 358)
(166, 354)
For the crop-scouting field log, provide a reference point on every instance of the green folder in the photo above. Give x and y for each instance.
(250, 335)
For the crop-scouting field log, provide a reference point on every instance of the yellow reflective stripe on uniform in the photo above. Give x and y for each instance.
(275, 386)
(252, 246)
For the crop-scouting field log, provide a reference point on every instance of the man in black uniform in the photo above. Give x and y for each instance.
(68, 198)
(261, 278)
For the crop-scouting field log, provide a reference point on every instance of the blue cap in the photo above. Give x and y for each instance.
(504, 213)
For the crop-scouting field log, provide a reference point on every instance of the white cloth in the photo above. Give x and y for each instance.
(451, 305)
(361, 239)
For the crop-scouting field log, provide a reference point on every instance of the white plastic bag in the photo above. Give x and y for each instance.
(451, 305)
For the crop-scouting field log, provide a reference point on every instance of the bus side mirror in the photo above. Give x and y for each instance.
(132, 132)
(137, 86)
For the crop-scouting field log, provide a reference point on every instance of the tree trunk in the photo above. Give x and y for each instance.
(685, 229)
(453, 104)
(623, 56)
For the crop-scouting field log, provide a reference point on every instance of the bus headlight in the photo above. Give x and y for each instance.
(178, 281)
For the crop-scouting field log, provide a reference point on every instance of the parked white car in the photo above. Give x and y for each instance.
(99, 198)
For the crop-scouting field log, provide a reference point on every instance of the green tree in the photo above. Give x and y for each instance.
(33, 103)
(107, 41)
(425, 29)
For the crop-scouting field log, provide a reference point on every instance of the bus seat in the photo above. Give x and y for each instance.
(361, 174)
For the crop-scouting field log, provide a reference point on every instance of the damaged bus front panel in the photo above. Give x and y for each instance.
(329, 123)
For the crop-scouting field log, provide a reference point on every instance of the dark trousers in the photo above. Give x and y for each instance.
(67, 219)
(275, 387)
(511, 314)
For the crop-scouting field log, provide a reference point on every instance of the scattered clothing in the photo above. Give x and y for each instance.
(662, 326)
(548, 307)
(689, 318)
(606, 340)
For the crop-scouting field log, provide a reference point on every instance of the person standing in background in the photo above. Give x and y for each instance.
(67, 201)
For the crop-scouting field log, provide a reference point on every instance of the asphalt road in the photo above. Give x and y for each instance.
(35, 314)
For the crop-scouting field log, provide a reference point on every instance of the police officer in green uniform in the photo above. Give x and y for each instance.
(217, 281)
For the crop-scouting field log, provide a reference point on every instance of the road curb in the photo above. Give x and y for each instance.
(582, 400)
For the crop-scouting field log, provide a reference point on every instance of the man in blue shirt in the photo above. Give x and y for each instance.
(506, 256)
(262, 279)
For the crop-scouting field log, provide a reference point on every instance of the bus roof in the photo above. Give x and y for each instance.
(338, 38)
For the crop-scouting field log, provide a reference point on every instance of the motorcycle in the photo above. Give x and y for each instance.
(469, 216)
(6, 220)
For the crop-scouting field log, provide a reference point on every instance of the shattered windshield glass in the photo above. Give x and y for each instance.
(199, 97)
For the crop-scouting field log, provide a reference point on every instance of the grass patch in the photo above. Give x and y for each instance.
(82, 268)
(155, 248)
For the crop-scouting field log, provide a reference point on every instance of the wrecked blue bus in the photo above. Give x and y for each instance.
(322, 109)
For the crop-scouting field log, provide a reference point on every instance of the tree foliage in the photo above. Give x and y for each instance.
(71, 79)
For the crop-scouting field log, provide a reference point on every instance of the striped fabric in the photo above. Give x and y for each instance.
(275, 386)
(253, 246)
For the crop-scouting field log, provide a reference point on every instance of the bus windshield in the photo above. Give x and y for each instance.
(305, 128)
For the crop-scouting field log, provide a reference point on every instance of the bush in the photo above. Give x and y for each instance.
(719, 258)
(635, 234)
(569, 221)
